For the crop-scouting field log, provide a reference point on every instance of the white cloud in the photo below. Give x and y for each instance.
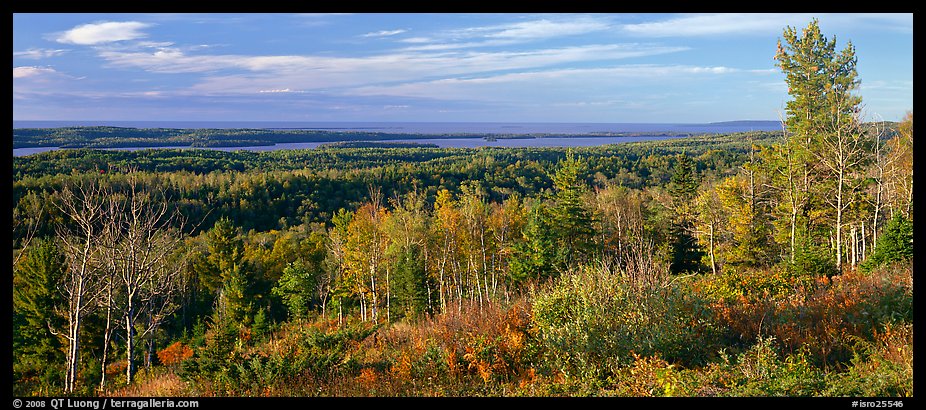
(507, 34)
(324, 72)
(154, 44)
(763, 23)
(30, 71)
(38, 53)
(564, 82)
(712, 24)
(278, 90)
(384, 33)
(105, 32)
(542, 29)
(417, 40)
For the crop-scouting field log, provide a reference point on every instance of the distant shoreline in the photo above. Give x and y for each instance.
(429, 128)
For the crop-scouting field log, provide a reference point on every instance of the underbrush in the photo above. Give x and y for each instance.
(822, 316)
(588, 333)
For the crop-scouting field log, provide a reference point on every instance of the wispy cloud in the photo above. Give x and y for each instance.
(507, 34)
(104, 32)
(711, 24)
(31, 71)
(278, 90)
(542, 29)
(247, 74)
(38, 53)
(384, 33)
(565, 82)
(688, 25)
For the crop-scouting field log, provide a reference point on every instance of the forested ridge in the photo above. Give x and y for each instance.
(120, 137)
(115, 137)
(749, 264)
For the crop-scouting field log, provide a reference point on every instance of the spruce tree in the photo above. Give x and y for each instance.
(683, 187)
(573, 223)
(36, 352)
(895, 244)
(410, 283)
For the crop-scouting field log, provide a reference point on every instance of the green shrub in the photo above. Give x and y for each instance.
(761, 372)
(591, 323)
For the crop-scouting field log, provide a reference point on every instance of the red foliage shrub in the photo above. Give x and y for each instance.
(174, 354)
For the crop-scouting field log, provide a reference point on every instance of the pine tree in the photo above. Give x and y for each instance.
(683, 186)
(824, 116)
(228, 273)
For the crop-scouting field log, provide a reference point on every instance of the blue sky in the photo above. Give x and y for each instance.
(655, 68)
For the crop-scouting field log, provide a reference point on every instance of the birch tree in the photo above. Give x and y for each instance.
(83, 204)
(148, 275)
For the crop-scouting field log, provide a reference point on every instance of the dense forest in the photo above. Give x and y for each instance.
(751, 264)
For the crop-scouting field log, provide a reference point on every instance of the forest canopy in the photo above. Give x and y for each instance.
(747, 264)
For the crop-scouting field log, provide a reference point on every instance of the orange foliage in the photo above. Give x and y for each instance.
(368, 378)
(820, 318)
(174, 354)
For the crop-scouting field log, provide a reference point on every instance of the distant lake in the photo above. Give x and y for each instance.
(432, 127)
(578, 131)
(440, 142)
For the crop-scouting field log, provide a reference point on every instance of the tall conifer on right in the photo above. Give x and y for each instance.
(823, 117)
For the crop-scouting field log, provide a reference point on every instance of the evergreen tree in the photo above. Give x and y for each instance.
(227, 272)
(572, 221)
(534, 257)
(36, 352)
(823, 116)
(683, 187)
(410, 283)
(296, 288)
(225, 247)
(895, 244)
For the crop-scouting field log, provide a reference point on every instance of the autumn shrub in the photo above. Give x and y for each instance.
(736, 284)
(590, 323)
(882, 367)
(647, 377)
(174, 354)
(158, 382)
(471, 350)
(819, 318)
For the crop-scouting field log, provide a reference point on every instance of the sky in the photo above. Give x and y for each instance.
(509, 67)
